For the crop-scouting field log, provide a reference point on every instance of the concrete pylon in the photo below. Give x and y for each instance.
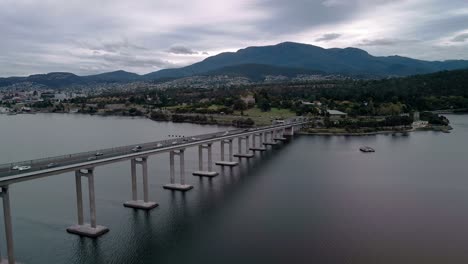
(10, 257)
(201, 172)
(254, 147)
(240, 154)
(84, 229)
(279, 135)
(144, 204)
(269, 141)
(173, 185)
(229, 162)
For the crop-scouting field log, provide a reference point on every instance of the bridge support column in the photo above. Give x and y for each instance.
(144, 204)
(173, 185)
(254, 145)
(240, 153)
(289, 132)
(84, 229)
(10, 258)
(201, 172)
(279, 135)
(270, 142)
(229, 163)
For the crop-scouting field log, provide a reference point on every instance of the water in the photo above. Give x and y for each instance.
(312, 200)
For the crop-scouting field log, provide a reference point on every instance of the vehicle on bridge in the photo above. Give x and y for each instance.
(136, 148)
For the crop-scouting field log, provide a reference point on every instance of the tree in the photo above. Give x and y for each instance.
(264, 105)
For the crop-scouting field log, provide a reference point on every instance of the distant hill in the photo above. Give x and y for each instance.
(65, 79)
(52, 80)
(115, 76)
(255, 63)
(351, 61)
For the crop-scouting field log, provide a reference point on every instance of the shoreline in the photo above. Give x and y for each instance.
(443, 129)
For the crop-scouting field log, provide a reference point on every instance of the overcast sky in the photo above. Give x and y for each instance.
(94, 36)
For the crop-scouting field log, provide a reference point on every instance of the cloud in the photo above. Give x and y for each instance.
(378, 42)
(331, 3)
(329, 36)
(181, 50)
(460, 38)
(84, 37)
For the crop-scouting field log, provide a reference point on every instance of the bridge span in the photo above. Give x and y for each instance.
(83, 164)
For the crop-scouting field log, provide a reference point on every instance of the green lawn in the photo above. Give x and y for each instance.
(264, 118)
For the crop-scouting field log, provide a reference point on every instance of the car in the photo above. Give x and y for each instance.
(136, 148)
(195, 138)
(51, 165)
(98, 154)
(92, 158)
(159, 145)
(16, 167)
(23, 168)
(175, 142)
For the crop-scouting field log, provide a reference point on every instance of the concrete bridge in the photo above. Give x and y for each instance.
(83, 164)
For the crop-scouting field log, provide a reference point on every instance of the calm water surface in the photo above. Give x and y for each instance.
(312, 200)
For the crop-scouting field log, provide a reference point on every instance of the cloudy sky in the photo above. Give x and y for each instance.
(94, 36)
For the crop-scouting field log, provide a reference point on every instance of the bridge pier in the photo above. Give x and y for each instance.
(289, 131)
(135, 203)
(254, 144)
(201, 172)
(240, 153)
(279, 135)
(173, 185)
(10, 257)
(83, 229)
(222, 162)
(270, 142)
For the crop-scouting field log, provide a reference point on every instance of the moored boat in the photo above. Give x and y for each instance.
(366, 149)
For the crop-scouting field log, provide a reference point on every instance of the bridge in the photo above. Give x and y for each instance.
(83, 164)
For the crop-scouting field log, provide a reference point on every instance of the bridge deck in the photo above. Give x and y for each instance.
(66, 163)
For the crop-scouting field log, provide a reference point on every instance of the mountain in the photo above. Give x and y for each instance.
(288, 59)
(115, 76)
(52, 80)
(64, 79)
(350, 61)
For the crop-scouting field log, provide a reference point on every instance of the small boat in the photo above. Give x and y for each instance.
(366, 149)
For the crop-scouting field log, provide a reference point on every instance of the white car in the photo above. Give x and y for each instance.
(136, 148)
(159, 145)
(16, 167)
(23, 168)
(99, 154)
(175, 142)
(51, 165)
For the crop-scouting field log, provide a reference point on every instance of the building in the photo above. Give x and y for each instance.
(336, 114)
(248, 99)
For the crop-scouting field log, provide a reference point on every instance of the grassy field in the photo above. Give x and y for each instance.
(265, 118)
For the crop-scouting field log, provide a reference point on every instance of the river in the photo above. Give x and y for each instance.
(312, 200)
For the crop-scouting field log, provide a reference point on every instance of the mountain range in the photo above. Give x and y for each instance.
(288, 59)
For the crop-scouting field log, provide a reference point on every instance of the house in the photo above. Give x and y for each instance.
(248, 99)
(314, 103)
(336, 114)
